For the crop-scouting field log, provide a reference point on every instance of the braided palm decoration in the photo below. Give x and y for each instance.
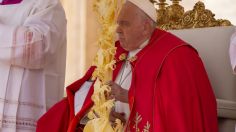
(107, 11)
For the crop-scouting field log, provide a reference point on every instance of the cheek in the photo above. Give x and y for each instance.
(129, 34)
(132, 35)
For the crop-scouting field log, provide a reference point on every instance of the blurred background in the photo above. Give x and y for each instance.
(82, 31)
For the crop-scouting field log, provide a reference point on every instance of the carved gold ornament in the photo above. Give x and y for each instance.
(174, 17)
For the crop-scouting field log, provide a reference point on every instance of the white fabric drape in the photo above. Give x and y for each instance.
(232, 51)
(76, 38)
(32, 61)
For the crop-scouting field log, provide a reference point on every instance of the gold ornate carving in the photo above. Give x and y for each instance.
(174, 17)
(174, 11)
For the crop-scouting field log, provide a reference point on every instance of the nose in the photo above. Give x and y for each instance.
(118, 29)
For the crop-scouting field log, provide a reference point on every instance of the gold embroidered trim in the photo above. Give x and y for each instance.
(146, 127)
(123, 56)
(26, 124)
(21, 103)
(137, 120)
(133, 58)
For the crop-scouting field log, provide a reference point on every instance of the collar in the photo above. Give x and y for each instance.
(134, 52)
(156, 35)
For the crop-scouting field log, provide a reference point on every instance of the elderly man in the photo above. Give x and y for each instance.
(32, 61)
(161, 86)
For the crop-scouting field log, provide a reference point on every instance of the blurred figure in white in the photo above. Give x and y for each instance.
(232, 51)
(232, 54)
(32, 61)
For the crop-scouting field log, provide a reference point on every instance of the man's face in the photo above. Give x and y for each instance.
(130, 27)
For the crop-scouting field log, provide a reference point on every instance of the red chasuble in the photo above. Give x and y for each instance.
(8, 2)
(170, 91)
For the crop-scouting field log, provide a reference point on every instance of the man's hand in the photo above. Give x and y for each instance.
(118, 92)
(115, 115)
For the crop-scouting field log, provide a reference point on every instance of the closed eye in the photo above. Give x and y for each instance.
(123, 23)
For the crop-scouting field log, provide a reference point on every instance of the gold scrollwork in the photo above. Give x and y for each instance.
(173, 17)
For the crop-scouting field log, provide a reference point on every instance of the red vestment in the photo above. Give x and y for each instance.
(8, 2)
(170, 90)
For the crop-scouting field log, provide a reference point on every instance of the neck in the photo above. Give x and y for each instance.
(135, 51)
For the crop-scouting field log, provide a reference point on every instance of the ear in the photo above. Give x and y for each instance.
(147, 28)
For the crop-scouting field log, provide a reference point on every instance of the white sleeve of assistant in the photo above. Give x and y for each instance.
(232, 52)
(32, 44)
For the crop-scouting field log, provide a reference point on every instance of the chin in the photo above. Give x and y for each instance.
(124, 46)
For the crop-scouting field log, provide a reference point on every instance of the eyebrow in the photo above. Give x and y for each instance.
(123, 22)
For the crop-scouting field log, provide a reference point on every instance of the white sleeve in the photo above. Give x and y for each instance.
(232, 52)
(80, 96)
(35, 42)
